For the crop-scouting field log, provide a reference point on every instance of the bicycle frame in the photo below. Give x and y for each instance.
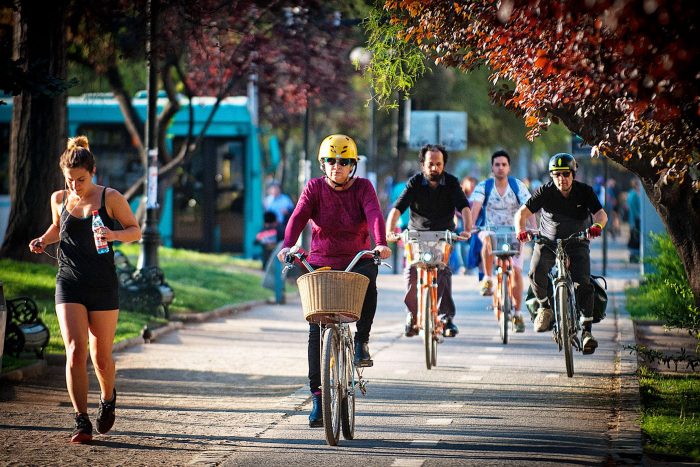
(567, 325)
(338, 369)
(503, 241)
(428, 251)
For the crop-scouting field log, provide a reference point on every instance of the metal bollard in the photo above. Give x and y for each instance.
(3, 322)
(279, 282)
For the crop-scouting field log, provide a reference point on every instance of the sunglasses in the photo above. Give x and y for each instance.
(564, 173)
(342, 161)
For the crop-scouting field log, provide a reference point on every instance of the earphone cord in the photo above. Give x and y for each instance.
(50, 255)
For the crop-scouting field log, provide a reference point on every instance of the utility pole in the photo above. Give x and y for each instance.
(151, 236)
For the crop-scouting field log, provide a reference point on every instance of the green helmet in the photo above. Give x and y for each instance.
(562, 161)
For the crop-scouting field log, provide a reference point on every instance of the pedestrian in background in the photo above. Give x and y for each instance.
(87, 291)
(279, 203)
(633, 211)
(460, 252)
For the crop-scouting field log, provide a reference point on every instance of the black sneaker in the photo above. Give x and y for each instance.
(83, 429)
(362, 357)
(449, 328)
(105, 414)
(589, 343)
(409, 329)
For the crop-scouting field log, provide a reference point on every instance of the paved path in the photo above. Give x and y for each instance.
(232, 392)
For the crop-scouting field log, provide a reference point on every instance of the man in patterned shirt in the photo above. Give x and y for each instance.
(494, 202)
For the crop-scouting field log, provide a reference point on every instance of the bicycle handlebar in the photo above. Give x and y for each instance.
(297, 253)
(537, 238)
(446, 235)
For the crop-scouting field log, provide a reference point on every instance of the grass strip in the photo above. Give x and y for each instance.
(201, 281)
(670, 419)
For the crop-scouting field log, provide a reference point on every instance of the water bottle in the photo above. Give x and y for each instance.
(101, 245)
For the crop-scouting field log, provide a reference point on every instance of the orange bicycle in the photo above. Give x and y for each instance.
(505, 246)
(429, 252)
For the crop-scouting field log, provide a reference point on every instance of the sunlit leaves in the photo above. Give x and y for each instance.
(628, 71)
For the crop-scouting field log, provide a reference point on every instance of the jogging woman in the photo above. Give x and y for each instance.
(87, 300)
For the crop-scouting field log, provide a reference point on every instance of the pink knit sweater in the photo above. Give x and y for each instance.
(341, 221)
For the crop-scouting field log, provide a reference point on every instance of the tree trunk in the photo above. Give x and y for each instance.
(38, 127)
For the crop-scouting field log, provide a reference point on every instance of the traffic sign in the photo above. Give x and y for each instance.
(446, 128)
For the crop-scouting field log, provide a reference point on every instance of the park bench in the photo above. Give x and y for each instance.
(142, 290)
(24, 330)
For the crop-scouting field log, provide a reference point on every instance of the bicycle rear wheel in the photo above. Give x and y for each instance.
(504, 309)
(347, 406)
(428, 328)
(565, 326)
(330, 385)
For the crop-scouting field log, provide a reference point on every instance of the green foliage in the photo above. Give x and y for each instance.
(201, 282)
(490, 126)
(671, 414)
(204, 281)
(665, 293)
(10, 363)
(396, 64)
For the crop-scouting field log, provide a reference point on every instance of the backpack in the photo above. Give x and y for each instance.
(474, 255)
(487, 193)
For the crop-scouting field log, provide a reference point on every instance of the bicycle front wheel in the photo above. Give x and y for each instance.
(331, 385)
(347, 406)
(565, 326)
(428, 327)
(504, 309)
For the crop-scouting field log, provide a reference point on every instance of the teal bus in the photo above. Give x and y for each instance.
(215, 202)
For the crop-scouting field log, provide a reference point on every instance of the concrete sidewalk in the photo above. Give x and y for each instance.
(203, 393)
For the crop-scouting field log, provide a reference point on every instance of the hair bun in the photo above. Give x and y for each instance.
(78, 142)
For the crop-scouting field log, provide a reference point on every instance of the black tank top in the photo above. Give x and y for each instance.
(78, 259)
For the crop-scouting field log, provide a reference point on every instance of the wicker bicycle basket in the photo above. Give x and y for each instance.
(332, 296)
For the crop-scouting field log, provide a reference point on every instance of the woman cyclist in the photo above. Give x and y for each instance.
(345, 212)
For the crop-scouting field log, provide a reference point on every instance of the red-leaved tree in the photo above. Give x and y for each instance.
(621, 74)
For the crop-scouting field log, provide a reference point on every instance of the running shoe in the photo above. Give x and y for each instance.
(105, 414)
(449, 328)
(409, 329)
(589, 343)
(544, 318)
(83, 429)
(316, 415)
(486, 287)
(519, 323)
(362, 357)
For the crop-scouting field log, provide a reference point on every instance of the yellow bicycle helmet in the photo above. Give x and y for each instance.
(340, 146)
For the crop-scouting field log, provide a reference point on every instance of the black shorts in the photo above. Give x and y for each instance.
(93, 298)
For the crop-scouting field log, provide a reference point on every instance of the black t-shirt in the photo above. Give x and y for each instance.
(562, 217)
(432, 208)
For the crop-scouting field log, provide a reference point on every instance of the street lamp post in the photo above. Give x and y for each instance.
(361, 58)
(151, 236)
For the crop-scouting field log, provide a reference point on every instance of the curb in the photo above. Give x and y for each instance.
(35, 369)
(625, 433)
(178, 322)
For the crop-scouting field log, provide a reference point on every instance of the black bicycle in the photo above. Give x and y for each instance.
(567, 317)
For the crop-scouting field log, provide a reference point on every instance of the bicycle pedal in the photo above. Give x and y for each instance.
(364, 363)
